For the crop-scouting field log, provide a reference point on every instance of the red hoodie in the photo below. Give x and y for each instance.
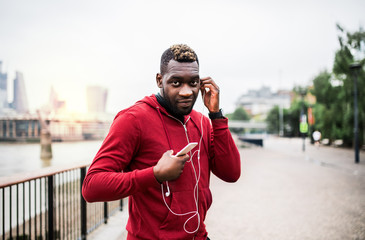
(124, 165)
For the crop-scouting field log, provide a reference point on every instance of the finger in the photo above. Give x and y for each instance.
(205, 78)
(204, 91)
(169, 153)
(186, 158)
(183, 157)
(207, 82)
(211, 88)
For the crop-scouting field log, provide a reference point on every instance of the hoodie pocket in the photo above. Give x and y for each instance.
(182, 219)
(205, 202)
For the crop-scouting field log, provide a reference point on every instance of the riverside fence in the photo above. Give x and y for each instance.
(48, 204)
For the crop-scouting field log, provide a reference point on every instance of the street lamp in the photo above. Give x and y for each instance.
(303, 125)
(355, 67)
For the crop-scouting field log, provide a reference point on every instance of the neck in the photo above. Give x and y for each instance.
(165, 104)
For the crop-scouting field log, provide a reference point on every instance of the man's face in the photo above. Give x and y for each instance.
(180, 85)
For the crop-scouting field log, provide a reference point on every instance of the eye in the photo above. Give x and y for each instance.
(175, 83)
(194, 82)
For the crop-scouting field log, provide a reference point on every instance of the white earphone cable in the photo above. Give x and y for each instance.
(196, 187)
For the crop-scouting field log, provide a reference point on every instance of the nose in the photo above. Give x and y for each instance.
(185, 91)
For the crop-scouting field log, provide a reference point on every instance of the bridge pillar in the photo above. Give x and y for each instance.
(30, 128)
(46, 144)
(1, 129)
(14, 129)
(36, 129)
(7, 128)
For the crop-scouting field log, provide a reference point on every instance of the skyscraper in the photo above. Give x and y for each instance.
(3, 88)
(20, 102)
(54, 103)
(96, 99)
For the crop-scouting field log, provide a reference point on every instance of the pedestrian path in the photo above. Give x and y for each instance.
(114, 229)
(283, 193)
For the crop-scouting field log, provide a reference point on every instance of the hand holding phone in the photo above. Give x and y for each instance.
(186, 149)
(169, 167)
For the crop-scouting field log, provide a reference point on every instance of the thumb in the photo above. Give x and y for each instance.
(169, 152)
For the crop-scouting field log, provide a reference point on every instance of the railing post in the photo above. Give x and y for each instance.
(51, 211)
(105, 212)
(121, 205)
(83, 206)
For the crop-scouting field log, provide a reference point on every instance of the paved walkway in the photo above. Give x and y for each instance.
(283, 193)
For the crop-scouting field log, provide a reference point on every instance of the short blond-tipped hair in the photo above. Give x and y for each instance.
(178, 52)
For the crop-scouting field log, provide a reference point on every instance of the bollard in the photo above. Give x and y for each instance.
(46, 144)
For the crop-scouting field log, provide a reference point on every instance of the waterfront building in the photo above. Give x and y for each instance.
(3, 89)
(20, 128)
(259, 102)
(27, 128)
(20, 102)
(96, 99)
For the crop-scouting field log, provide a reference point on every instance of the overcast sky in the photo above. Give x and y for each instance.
(117, 44)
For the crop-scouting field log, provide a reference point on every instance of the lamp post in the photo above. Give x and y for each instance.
(303, 125)
(355, 67)
(281, 121)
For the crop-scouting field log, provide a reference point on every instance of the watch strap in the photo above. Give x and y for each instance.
(216, 115)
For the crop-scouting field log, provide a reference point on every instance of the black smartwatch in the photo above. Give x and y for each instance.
(216, 115)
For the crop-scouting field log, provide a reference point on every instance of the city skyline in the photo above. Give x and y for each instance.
(3, 88)
(240, 44)
(18, 104)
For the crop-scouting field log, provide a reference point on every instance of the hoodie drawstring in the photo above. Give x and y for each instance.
(164, 127)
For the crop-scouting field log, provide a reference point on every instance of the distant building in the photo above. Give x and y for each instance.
(55, 103)
(3, 89)
(96, 99)
(260, 102)
(20, 102)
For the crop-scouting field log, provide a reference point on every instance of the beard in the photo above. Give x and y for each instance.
(173, 108)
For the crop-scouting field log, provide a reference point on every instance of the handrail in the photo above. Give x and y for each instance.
(44, 172)
(48, 203)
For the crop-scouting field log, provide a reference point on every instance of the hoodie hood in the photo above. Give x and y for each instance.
(152, 102)
(194, 116)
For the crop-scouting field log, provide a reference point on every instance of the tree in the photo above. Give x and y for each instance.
(293, 117)
(239, 114)
(272, 120)
(352, 48)
(323, 89)
(334, 109)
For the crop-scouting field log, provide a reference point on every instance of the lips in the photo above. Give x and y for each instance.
(185, 103)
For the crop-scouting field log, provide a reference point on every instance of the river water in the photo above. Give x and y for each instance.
(16, 158)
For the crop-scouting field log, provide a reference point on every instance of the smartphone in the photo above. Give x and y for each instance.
(186, 149)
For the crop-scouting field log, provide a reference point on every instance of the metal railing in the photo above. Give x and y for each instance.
(48, 205)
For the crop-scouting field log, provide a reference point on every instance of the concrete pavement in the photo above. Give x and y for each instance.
(287, 194)
(283, 193)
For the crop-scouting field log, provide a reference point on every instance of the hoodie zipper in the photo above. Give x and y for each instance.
(184, 125)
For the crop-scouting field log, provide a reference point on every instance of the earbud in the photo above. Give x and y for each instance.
(167, 194)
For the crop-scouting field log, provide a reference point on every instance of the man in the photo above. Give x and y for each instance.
(316, 137)
(168, 195)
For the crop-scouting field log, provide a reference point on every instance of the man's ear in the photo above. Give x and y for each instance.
(159, 80)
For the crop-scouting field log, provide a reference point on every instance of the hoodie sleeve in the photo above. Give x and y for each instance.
(106, 179)
(224, 155)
